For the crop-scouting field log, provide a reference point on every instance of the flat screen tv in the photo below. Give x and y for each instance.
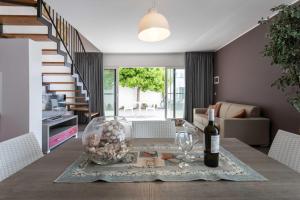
(54, 105)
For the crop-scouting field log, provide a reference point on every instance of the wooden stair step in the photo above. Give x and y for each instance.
(56, 74)
(20, 20)
(80, 109)
(32, 3)
(76, 91)
(59, 83)
(49, 52)
(35, 37)
(93, 114)
(77, 98)
(77, 104)
(53, 63)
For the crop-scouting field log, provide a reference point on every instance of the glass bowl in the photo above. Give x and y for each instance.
(106, 139)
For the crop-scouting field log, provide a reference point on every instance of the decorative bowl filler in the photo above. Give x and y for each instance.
(106, 140)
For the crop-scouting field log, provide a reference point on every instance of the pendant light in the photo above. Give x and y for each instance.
(153, 27)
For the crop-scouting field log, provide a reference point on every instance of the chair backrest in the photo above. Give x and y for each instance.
(17, 153)
(153, 129)
(286, 149)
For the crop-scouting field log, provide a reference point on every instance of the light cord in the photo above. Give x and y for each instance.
(155, 5)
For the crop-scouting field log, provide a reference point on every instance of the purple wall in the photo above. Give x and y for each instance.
(246, 76)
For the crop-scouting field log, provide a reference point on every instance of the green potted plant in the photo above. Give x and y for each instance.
(284, 49)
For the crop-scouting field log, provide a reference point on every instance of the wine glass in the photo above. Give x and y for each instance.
(184, 140)
(179, 157)
(193, 130)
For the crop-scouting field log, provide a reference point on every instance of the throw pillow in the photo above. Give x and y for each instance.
(210, 107)
(216, 107)
(240, 114)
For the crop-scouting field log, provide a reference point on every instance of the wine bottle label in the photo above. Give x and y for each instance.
(215, 144)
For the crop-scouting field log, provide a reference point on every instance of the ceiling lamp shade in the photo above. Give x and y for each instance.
(153, 27)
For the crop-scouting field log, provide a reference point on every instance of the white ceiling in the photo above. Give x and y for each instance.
(196, 25)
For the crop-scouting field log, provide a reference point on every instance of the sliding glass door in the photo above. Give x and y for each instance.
(141, 93)
(179, 93)
(109, 83)
(152, 101)
(169, 85)
(175, 90)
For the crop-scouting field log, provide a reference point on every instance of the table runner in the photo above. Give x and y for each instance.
(159, 162)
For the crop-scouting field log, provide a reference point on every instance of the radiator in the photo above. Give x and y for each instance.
(153, 129)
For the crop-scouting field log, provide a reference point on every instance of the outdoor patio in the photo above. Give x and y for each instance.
(143, 114)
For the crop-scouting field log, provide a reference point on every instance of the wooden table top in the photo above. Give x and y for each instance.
(35, 182)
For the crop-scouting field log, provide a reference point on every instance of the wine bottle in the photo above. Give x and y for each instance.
(211, 142)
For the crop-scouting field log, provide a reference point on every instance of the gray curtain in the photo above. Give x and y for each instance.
(199, 81)
(90, 65)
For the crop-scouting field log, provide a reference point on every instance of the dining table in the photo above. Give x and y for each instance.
(36, 181)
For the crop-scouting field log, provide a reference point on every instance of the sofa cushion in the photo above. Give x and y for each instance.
(223, 110)
(240, 114)
(203, 119)
(216, 107)
(234, 112)
(227, 109)
(197, 117)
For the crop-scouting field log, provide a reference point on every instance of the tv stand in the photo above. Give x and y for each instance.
(57, 131)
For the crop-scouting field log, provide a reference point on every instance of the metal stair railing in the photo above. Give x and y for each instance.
(67, 34)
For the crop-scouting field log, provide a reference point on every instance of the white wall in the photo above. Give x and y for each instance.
(146, 60)
(127, 97)
(20, 65)
(89, 47)
(35, 90)
(1, 96)
(150, 97)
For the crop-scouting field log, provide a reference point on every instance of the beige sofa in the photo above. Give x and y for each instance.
(253, 129)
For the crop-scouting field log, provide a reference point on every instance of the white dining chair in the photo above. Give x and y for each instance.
(286, 149)
(151, 107)
(129, 108)
(17, 153)
(153, 129)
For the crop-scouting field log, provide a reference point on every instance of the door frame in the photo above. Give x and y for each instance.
(116, 89)
(173, 91)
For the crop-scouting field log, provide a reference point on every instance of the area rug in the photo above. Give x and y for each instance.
(159, 162)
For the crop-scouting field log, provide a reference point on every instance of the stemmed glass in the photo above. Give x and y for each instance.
(184, 140)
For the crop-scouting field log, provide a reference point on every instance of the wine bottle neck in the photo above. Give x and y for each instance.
(211, 115)
(212, 123)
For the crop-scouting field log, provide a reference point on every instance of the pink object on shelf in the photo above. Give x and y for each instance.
(59, 138)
